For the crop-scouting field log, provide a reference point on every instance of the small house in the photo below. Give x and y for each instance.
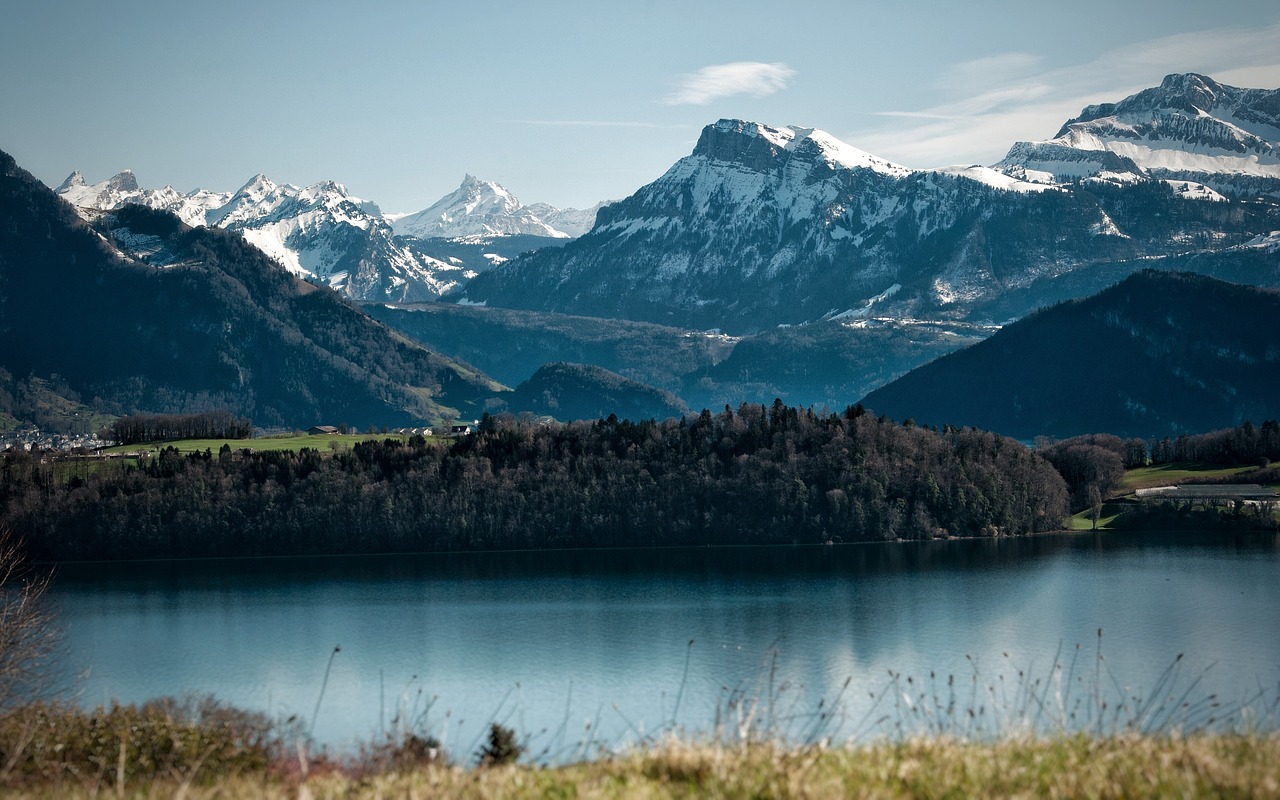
(322, 430)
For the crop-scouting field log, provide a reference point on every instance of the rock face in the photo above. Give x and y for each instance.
(763, 226)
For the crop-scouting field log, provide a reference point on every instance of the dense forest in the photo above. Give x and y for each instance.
(756, 475)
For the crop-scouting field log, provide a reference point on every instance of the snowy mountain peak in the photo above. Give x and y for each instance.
(257, 186)
(1187, 93)
(484, 208)
(761, 147)
(1189, 128)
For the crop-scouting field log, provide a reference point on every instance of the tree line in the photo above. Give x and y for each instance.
(140, 428)
(755, 475)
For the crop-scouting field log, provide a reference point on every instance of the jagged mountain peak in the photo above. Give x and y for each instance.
(74, 180)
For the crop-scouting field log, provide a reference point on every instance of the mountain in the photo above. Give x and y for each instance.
(1158, 354)
(1213, 138)
(319, 232)
(582, 391)
(141, 312)
(762, 226)
(485, 209)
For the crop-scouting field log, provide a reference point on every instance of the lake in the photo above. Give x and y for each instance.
(580, 650)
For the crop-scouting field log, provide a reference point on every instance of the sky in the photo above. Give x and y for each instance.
(569, 102)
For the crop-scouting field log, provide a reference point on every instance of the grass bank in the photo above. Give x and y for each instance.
(1076, 766)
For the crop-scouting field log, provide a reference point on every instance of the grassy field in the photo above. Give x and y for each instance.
(285, 442)
(1166, 474)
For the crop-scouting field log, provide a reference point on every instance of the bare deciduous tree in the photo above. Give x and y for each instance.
(30, 637)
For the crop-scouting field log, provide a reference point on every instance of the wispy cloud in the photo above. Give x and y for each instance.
(725, 80)
(1010, 97)
(592, 123)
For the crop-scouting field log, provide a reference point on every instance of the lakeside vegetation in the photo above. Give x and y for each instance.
(172, 758)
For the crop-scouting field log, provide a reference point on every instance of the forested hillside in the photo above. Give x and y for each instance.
(1159, 354)
(582, 391)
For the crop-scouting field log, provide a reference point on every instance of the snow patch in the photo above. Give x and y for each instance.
(999, 180)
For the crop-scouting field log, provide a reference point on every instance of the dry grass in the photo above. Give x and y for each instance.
(1077, 766)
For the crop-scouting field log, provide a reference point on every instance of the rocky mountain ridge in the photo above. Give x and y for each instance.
(324, 234)
(762, 226)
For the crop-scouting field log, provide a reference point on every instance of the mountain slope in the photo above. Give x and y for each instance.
(202, 320)
(1158, 354)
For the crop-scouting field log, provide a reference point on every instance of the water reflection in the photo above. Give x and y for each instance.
(595, 643)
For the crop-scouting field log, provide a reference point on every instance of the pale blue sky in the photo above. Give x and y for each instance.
(569, 102)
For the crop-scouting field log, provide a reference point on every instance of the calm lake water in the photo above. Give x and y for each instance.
(582, 649)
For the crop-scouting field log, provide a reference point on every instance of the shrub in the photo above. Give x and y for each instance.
(502, 747)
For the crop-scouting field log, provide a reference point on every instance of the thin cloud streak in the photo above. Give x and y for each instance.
(725, 80)
(591, 123)
(980, 128)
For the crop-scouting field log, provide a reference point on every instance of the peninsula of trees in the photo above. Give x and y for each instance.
(757, 475)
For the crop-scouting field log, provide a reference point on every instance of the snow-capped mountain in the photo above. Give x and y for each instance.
(319, 232)
(484, 208)
(122, 189)
(761, 226)
(1190, 128)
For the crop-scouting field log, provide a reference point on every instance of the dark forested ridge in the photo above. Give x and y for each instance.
(1159, 354)
(755, 476)
(583, 391)
(211, 324)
